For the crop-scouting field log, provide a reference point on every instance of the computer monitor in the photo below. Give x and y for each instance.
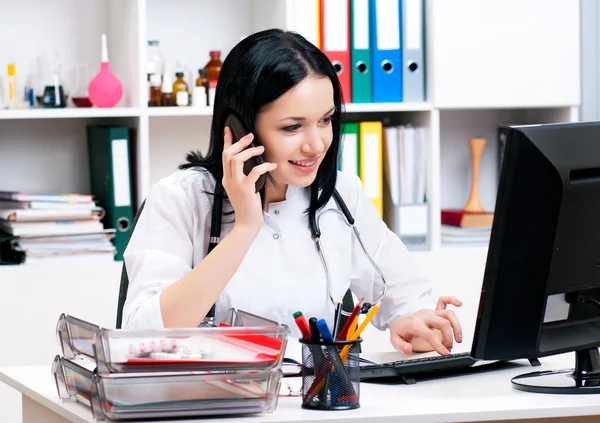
(541, 287)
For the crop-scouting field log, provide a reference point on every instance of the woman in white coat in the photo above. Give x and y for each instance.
(287, 94)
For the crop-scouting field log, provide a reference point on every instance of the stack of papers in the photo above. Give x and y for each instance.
(55, 225)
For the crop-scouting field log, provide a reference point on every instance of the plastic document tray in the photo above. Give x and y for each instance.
(166, 395)
(229, 348)
(235, 317)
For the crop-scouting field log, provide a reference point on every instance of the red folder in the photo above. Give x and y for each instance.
(335, 40)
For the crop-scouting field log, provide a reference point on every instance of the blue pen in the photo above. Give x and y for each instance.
(335, 387)
(324, 329)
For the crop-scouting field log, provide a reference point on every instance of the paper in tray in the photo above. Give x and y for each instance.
(204, 348)
(126, 396)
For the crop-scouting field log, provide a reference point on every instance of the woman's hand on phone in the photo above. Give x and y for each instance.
(241, 189)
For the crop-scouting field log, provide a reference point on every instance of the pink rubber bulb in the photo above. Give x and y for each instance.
(105, 89)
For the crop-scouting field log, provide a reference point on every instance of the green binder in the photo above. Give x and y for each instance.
(360, 51)
(109, 157)
(350, 153)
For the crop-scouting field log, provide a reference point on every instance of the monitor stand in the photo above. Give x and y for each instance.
(583, 379)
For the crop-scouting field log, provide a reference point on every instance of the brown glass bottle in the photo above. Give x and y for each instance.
(180, 91)
(166, 99)
(213, 67)
(154, 99)
(201, 80)
(200, 96)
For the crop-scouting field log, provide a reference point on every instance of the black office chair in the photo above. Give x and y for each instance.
(124, 285)
(347, 301)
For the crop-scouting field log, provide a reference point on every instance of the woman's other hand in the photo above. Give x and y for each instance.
(443, 303)
(241, 189)
(427, 330)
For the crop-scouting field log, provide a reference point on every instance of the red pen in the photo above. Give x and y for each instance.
(302, 324)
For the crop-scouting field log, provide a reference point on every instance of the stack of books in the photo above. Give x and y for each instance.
(459, 227)
(55, 225)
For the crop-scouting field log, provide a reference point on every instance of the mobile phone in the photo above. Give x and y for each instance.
(238, 131)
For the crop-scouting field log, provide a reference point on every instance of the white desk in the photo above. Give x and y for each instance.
(482, 396)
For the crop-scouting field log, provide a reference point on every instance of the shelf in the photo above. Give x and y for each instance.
(464, 246)
(387, 107)
(178, 111)
(500, 107)
(69, 113)
(72, 112)
(94, 262)
(350, 108)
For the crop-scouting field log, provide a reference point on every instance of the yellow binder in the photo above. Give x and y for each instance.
(318, 18)
(371, 161)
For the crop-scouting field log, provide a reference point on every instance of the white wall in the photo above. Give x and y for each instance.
(189, 29)
(456, 272)
(504, 53)
(171, 138)
(32, 299)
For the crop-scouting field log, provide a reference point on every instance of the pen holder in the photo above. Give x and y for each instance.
(330, 375)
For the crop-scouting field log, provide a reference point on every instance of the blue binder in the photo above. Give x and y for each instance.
(412, 50)
(386, 48)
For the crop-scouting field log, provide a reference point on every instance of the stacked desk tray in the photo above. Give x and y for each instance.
(126, 374)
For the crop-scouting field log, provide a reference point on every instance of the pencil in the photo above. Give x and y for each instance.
(352, 328)
(357, 332)
(365, 322)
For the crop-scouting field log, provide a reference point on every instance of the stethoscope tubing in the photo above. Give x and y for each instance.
(349, 220)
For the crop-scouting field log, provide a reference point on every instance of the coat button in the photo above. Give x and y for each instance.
(275, 236)
(276, 211)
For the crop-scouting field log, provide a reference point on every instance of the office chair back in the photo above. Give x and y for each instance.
(124, 285)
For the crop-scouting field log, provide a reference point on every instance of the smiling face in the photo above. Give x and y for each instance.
(296, 131)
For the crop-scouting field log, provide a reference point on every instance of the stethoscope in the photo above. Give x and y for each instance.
(215, 237)
(349, 220)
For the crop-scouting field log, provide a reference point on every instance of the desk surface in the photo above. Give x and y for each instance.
(481, 396)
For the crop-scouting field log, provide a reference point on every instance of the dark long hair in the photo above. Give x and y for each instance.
(257, 71)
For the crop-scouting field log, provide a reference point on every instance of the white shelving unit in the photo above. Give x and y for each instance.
(488, 63)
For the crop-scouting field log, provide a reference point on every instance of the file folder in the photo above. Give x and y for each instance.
(350, 149)
(335, 40)
(360, 53)
(413, 77)
(408, 165)
(371, 160)
(391, 178)
(386, 49)
(305, 18)
(109, 155)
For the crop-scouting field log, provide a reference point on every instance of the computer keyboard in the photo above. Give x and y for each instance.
(411, 368)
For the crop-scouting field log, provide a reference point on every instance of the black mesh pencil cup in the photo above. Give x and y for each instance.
(330, 375)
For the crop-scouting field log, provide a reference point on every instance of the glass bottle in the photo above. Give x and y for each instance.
(213, 67)
(12, 87)
(166, 98)
(180, 91)
(154, 99)
(155, 61)
(201, 80)
(200, 95)
(54, 94)
(80, 95)
(181, 66)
